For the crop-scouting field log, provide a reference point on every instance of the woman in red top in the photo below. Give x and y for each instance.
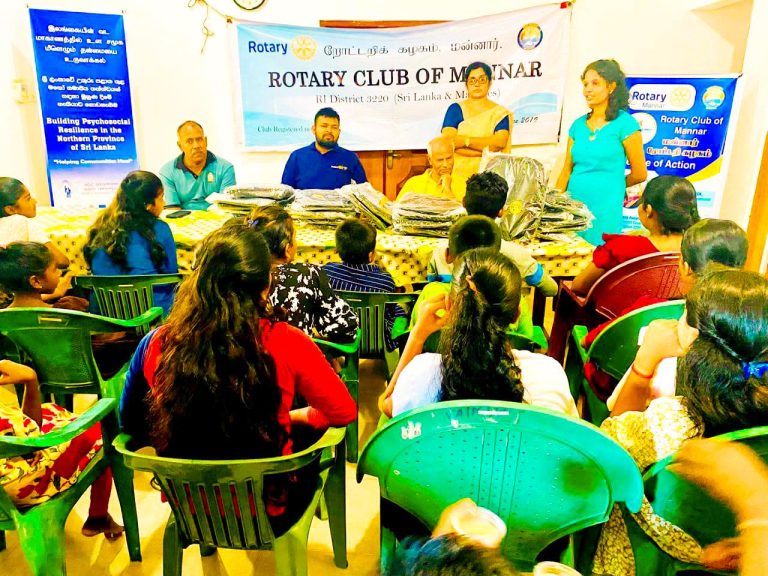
(667, 209)
(219, 379)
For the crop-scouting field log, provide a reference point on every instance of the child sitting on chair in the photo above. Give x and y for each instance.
(37, 477)
(356, 245)
(29, 272)
(17, 219)
(467, 233)
(667, 209)
(486, 196)
(708, 245)
(476, 359)
(128, 236)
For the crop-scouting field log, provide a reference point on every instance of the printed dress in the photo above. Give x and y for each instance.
(648, 436)
(35, 478)
(304, 292)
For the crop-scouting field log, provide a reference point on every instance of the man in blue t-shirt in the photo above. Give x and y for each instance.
(190, 178)
(323, 164)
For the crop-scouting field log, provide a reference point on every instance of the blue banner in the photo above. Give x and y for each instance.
(85, 97)
(684, 123)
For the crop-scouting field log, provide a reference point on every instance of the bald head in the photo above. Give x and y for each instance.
(440, 152)
(441, 143)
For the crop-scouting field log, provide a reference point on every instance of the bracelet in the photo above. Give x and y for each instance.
(754, 523)
(636, 371)
(466, 142)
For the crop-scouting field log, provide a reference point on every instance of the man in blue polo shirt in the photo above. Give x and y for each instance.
(196, 173)
(323, 164)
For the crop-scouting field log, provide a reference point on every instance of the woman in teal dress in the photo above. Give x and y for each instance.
(599, 145)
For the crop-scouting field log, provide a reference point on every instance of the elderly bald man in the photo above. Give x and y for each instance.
(439, 179)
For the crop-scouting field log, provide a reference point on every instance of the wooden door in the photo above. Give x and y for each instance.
(387, 170)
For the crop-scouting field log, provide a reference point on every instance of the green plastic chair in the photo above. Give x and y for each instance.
(41, 527)
(545, 474)
(192, 486)
(688, 507)
(125, 297)
(59, 344)
(350, 376)
(613, 352)
(369, 307)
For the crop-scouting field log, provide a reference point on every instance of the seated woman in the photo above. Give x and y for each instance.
(302, 290)
(722, 386)
(476, 359)
(128, 236)
(667, 209)
(40, 476)
(218, 380)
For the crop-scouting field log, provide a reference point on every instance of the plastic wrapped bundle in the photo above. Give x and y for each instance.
(562, 215)
(525, 197)
(424, 215)
(321, 207)
(277, 192)
(370, 203)
(240, 199)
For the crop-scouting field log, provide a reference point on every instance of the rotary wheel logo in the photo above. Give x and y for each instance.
(303, 47)
(515, 207)
(529, 36)
(680, 97)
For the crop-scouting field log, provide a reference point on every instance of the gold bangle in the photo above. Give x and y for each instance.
(754, 523)
(466, 142)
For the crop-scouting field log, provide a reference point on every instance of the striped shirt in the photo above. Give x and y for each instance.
(366, 278)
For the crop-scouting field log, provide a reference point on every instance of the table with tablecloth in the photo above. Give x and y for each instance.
(405, 257)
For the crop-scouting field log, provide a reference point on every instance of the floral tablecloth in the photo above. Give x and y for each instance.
(405, 257)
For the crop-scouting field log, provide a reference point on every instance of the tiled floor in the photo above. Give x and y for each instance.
(95, 556)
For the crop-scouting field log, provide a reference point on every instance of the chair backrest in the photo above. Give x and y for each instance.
(614, 349)
(653, 275)
(688, 506)
(546, 475)
(59, 344)
(125, 297)
(220, 502)
(369, 307)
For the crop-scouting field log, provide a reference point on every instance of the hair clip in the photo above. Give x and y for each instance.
(756, 369)
(252, 223)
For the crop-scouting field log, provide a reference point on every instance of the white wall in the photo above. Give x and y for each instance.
(172, 81)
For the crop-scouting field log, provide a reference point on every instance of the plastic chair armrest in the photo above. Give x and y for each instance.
(539, 338)
(146, 318)
(579, 333)
(16, 446)
(348, 348)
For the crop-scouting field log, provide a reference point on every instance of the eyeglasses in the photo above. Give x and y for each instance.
(479, 81)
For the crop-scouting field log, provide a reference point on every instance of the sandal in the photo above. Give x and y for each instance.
(106, 525)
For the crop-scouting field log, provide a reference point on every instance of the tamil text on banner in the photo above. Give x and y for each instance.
(82, 75)
(684, 123)
(392, 87)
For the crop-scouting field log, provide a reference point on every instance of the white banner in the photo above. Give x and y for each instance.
(392, 87)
